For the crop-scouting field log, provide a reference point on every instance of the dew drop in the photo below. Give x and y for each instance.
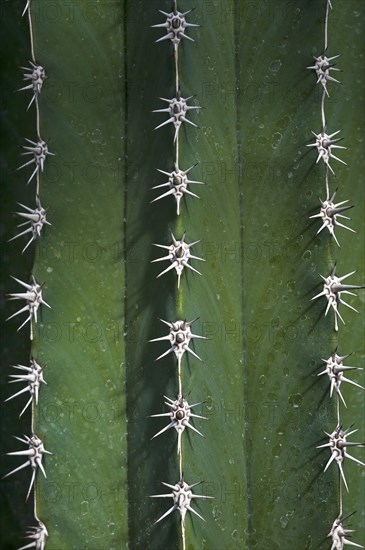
(284, 520)
(276, 138)
(295, 400)
(276, 451)
(217, 512)
(209, 403)
(234, 534)
(84, 507)
(110, 385)
(275, 66)
(291, 285)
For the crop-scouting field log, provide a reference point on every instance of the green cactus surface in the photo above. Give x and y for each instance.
(266, 408)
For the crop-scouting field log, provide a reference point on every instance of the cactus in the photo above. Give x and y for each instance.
(267, 408)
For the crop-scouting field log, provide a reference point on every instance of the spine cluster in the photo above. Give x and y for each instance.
(330, 215)
(35, 218)
(178, 254)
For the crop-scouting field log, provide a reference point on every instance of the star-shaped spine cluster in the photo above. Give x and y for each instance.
(182, 495)
(332, 290)
(37, 75)
(33, 377)
(335, 369)
(39, 150)
(177, 111)
(34, 298)
(36, 219)
(324, 144)
(179, 255)
(180, 414)
(38, 535)
(178, 184)
(175, 26)
(323, 66)
(179, 337)
(329, 214)
(339, 533)
(34, 455)
(337, 446)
